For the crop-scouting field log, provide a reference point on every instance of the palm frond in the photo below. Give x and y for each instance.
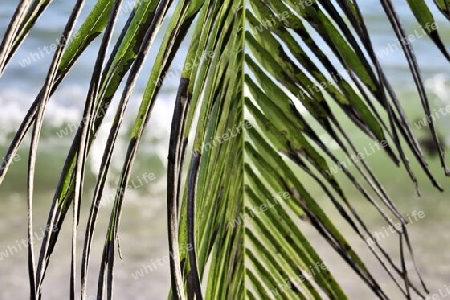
(262, 65)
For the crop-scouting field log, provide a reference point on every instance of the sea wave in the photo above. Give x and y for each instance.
(62, 117)
(64, 112)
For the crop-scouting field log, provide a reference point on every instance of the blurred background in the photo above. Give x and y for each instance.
(143, 224)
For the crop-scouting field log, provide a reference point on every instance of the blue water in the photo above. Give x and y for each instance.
(49, 27)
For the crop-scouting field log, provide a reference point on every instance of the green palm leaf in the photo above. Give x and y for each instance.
(257, 91)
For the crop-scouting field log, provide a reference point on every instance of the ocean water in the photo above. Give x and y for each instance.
(143, 226)
(26, 74)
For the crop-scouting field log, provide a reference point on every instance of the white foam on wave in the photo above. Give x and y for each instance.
(15, 104)
(155, 140)
(64, 112)
(439, 85)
